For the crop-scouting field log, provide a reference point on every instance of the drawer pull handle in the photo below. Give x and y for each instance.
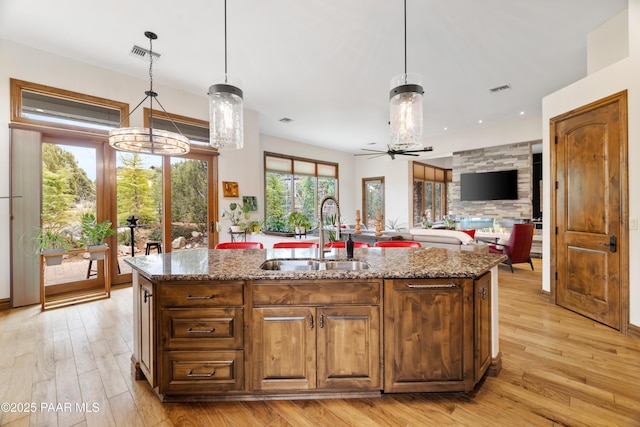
(207, 375)
(212, 296)
(430, 286)
(201, 331)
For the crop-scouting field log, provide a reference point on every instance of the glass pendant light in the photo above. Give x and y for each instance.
(405, 105)
(149, 140)
(225, 108)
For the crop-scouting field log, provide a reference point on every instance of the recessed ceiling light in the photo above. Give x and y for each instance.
(522, 113)
(480, 121)
(285, 120)
(446, 128)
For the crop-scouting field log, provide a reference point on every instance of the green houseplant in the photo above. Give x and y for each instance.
(299, 222)
(235, 215)
(52, 240)
(94, 233)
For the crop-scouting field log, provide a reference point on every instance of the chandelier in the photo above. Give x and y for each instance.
(149, 140)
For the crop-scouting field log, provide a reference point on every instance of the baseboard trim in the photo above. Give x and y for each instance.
(5, 304)
(634, 331)
(496, 365)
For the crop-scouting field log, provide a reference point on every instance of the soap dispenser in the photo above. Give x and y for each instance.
(349, 246)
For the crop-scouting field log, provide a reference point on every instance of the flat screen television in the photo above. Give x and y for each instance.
(498, 185)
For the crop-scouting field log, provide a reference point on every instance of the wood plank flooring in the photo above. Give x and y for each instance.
(559, 369)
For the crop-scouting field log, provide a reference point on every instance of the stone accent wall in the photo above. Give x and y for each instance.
(503, 157)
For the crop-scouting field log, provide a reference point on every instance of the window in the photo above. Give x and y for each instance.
(295, 184)
(431, 192)
(61, 109)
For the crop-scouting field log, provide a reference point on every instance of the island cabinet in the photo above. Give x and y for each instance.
(145, 330)
(316, 336)
(201, 326)
(437, 334)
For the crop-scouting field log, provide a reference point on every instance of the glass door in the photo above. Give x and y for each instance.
(139, 195)
(191, 201)
(373, 201)
(72, 186)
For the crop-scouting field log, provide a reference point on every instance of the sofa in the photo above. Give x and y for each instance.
(448, 239)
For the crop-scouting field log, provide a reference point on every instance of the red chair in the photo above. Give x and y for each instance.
(397, 244)
(295, 245)
(471, 232)
(341, 244)
(518, 248)
(239, 245)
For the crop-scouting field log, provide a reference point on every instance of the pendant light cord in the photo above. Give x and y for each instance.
(151, 96)
(225, 41)
(405, 41)
(405, 38)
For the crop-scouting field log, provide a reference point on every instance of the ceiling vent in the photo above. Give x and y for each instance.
(142, 53)
(285, 120)
(499, 88)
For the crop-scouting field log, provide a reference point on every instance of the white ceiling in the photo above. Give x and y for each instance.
(327, 64)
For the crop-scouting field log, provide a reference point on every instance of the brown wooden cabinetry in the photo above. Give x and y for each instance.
(202, 340)
(147, 346)
(482, 323)
(316, 335)
(430, 328)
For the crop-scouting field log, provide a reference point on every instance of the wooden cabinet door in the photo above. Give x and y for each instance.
(482, 322)
(428, 335)
(147, 344)
(349, 347)
(284, 348)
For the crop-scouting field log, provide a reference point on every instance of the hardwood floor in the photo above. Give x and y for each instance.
(558, 369)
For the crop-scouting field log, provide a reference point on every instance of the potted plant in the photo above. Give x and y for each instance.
(94, 234)
(52, 240)
(254, 226)
(235, 215)
(299, 222)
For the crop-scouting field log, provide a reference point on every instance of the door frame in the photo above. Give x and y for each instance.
(623, 158)
(364, 199)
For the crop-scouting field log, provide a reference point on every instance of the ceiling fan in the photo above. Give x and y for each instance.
(393, 153)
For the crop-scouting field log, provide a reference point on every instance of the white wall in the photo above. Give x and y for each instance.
(397, 182)
(608, 43)
(620, 76)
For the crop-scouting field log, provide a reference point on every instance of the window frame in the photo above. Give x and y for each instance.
(19, 86)
(425, 173)
(292, 159)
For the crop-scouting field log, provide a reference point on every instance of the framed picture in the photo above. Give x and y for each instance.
(230, 189)
(250, 202)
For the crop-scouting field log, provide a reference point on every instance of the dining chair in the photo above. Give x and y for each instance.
(239, 245)
(397, 244)
(341, 244)
(295, 245)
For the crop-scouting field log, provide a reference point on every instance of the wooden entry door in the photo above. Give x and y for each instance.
(590, 201)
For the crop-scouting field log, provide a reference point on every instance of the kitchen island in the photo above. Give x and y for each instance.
(214, 325)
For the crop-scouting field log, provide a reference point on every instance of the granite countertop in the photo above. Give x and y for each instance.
(211, 264)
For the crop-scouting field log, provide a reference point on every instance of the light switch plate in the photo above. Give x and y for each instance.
(633, 223)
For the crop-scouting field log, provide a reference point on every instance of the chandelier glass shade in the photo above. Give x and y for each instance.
(225, 108)
(225, 116)
(149, 140)
(405, 105)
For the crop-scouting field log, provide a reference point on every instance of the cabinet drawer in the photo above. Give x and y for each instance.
(195, 294)
(204, 328)
(300, 292)
(202, 372)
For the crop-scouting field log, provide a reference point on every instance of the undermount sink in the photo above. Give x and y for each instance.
(312, 264)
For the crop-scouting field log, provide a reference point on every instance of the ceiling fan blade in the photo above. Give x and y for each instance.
(369, 154)
(375, 151)
(407, 154)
